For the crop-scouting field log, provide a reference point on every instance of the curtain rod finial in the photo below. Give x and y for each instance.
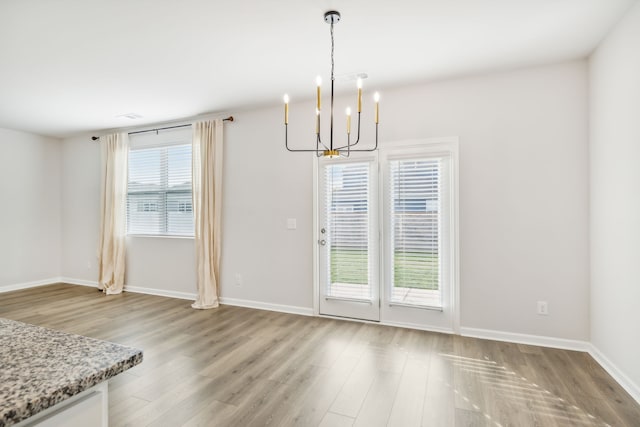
(95, 138)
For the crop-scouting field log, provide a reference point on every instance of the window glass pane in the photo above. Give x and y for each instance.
(144, 213)
(179, 174)
(145, 172)
(415, 231)
(159, 190)
(179, 213)
(347, 204)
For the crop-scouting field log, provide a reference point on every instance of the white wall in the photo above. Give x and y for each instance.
(523, 191)
(523, 200)
(29, 208)
(264, 185)
(615, 197)
(80, 208)
(163, 264)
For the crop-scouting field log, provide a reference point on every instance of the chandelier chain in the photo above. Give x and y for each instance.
(332, 49)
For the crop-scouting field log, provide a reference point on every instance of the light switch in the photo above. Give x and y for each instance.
(291, 224)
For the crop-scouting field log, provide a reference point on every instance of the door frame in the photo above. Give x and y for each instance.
(451, 145)
(348, 308)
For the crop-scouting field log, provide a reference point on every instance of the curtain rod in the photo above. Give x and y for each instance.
(228, 119)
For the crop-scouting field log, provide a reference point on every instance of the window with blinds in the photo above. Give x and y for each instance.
(159, 188)
(415, 189)
(347, 205)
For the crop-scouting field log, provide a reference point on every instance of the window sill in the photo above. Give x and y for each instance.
(159, 236)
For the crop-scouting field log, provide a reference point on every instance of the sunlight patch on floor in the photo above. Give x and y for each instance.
(509, 386)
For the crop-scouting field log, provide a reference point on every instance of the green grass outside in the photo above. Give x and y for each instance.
(417, 270)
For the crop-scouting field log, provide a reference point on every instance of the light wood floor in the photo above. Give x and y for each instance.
(242, 367)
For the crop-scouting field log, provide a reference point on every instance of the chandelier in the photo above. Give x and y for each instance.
(331, 149)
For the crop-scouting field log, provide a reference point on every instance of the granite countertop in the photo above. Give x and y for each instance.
(41, 367)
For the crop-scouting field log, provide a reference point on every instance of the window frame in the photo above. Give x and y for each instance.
(397, 313)
(165, 139)
(389, 225)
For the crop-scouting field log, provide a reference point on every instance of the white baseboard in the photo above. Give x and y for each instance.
(134, 289)
(292, 309)
(27, 285)
(538, 340)
(621, 378)
(192, 296)
(160, 292)
(81, 282)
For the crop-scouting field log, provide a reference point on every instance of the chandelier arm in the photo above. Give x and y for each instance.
(297, 150)
(375, 147)
(286, 137)
(357, 139)
(286, 142)
(319, 152)
(348, 144)
(319, 143)
(318, 137)
(349, 149)
(294, 150)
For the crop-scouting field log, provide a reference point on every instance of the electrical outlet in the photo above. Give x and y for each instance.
(543, 308)
(238, 279)
(88, 265)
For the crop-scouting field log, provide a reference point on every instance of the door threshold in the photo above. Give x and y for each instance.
(351, 319)
(414, 326)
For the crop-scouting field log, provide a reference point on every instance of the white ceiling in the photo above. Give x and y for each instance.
(68, 66)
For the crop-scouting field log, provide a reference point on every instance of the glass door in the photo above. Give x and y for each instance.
(417, 261)
(387, 235)
(348, 238)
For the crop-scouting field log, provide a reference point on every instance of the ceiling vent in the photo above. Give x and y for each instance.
(132, 116)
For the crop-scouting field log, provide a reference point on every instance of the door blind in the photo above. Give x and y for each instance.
(347, 204)
(159, 190)
(416, 229)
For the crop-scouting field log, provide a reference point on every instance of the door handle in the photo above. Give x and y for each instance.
(322, 242)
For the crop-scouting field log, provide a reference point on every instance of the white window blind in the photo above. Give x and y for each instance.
(347, 204)
(416, 214)
(159, 186)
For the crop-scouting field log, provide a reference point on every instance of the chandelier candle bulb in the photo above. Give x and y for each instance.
(286, 109)
(359, 83)
(319, 83)
(348, 120)
(376, 98)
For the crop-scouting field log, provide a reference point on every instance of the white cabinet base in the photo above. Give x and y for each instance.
(89, 408)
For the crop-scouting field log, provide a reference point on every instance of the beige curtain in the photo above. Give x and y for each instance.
(111, 248)
(207, 209)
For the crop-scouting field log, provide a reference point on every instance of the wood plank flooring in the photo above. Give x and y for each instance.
(242, 367)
